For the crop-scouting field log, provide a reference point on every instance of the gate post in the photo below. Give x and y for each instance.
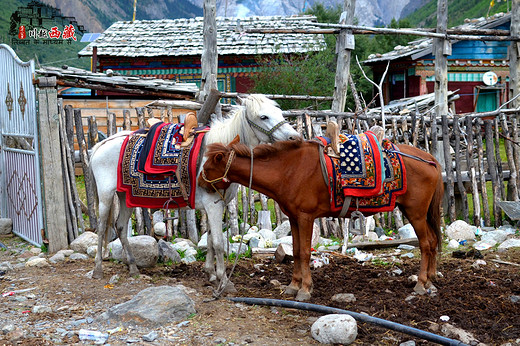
(52, 179)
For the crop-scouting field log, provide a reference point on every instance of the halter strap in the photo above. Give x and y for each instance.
(213, 181)
(270, 132)
(410, 156)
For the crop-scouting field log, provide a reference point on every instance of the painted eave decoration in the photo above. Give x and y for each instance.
(183, 37)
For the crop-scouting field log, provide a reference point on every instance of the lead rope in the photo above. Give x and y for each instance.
(221, 287)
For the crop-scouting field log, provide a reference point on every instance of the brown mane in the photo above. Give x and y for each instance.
(261, 151)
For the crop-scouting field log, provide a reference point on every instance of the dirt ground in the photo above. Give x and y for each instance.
(477, 300)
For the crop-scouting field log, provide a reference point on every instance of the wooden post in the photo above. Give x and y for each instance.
(514, 60)
(458, 170)
(210, 105)
(442, 49)
(111, 124)
(127, 121)
(93, 136)
(55, 221)
(500, 172)
(472, 172)
(449, 169)
(344, 46)
(512, 185)
(492, 169)
(209, 58)
(482, 173)
(140, 117)
(89, 180)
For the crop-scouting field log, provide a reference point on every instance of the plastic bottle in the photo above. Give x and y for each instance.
(93, 335)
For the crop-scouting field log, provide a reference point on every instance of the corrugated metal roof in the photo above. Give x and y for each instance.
(421, 47)
(181, 37)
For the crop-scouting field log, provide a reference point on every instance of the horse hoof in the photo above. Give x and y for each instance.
(212, 278)
(303, 296)
(419, 289)
(134, 272)
(97, 274)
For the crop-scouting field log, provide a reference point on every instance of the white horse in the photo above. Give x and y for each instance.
(258, 120)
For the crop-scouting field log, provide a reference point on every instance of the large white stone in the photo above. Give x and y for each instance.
(335, 329)
(6, 226)
(283, 230)
(460, 230)
(144, 248)
(81, 243)
(509, 243)
(268, 235)
(407, 231)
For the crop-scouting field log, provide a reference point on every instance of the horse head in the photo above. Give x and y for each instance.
(266, 120)
(214, 171)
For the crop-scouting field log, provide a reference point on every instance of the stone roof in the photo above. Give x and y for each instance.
(183, 37)
(423, 46)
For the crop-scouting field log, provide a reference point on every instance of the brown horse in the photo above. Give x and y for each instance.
(290, 173)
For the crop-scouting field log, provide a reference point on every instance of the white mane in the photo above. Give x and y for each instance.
(225, 130)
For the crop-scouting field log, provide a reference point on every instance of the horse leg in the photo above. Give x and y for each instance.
(296, 282)
(217, 244)
(428, 253)
(122, 233)
(209, 265)
(105, 211)
(305, 227)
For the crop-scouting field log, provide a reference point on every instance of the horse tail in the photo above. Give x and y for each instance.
(433, 216)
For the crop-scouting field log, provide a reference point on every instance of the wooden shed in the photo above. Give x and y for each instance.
(172, 49)
(479, 70)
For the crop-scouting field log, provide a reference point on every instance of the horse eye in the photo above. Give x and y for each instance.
(264, 117)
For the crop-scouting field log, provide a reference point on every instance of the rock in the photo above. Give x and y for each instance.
(6, 266)
(58, 257)
(183, 240)
(35, 251)
(514, 299)
(78, 257)
(283, 230)
(451, 331)
(284, 252)
(372, 236)
(509, 243)
(315, 234)
(268, 235)
(379, 231)
(114, 279)
(460, 230)
(92, 251)
(154, 306)
(167, 252)
(37, 262)
(498, 236)
(16, 335)
(283, 240)
(343, 298)
(407, 343)
(8, 328)
(234, 248)
(203, 242)
(257, 242)
(65, 253)
(157, 217)
(150, 337)
(159, 229)
(6, 226)
(407, 232)
(144, 249)
(453, 244)
(41, 309)
(81, 243)
(335, 329)
(184, 247)
(247, 237)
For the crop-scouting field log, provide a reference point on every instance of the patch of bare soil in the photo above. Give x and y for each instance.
(477, 300)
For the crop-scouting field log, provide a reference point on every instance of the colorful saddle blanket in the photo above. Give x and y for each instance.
(155, 190)
(161, 152)
(394, 184)
(361, 165)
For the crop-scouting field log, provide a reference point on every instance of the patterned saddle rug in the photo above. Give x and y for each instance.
(361, 165)
(393, 185)
(158, 184)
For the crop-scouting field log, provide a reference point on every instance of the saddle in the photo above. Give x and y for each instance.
(366, 168)
(158, 166)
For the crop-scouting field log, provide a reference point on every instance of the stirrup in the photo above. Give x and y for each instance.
(357, 215)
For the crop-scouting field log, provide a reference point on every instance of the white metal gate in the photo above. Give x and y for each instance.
(20, 192)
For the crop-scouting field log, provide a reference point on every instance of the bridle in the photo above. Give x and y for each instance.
(212, 182)
(268, 133)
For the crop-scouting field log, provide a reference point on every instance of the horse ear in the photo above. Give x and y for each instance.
(234, 141)
(239, 100)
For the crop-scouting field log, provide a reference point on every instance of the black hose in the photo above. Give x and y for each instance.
(359, 317)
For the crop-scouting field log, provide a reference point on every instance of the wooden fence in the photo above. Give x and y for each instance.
(481, 153)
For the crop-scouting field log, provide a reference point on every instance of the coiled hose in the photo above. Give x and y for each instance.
(359, 317)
